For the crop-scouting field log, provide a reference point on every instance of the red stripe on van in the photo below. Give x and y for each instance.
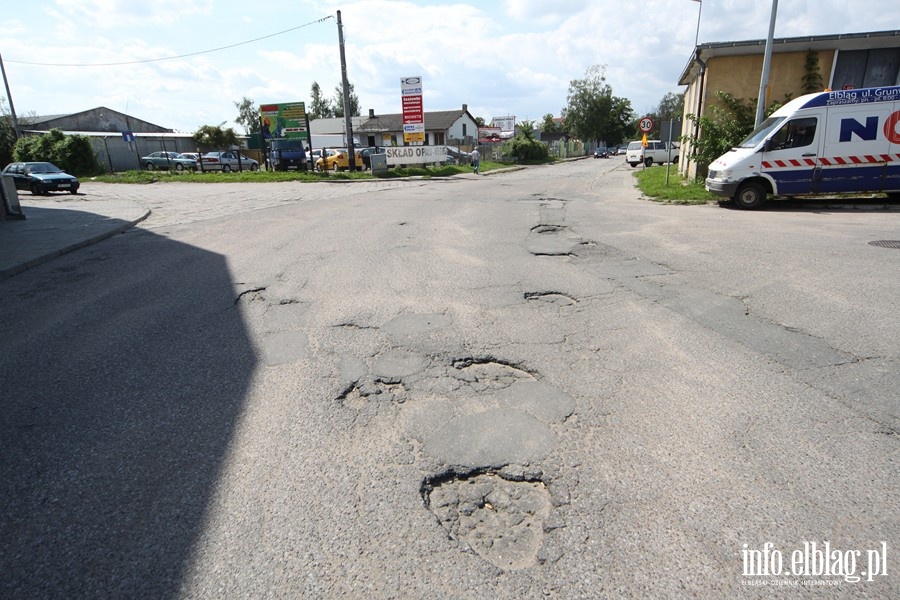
(810, 162)
(839, 160)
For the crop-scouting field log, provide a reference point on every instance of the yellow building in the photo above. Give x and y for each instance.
(845, 61)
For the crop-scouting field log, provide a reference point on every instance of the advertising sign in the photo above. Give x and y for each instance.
(413, 113)
(286, 120)
(415, 155)
(506, 124)
(486, 135)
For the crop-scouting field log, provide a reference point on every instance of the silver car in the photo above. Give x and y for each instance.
(230, 160)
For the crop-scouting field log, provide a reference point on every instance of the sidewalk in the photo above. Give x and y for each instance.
(54, 225)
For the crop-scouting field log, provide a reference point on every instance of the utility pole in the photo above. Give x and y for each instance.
(12, 109)
(348, 123)
(767, 63)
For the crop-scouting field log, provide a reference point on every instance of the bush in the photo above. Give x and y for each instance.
(71, 153)
(524, 148)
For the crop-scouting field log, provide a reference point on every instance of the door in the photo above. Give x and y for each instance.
(791, 155)
(857, 151)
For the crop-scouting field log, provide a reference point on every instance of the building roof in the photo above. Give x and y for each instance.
(92, 115)
(439, 120)
(839, 41)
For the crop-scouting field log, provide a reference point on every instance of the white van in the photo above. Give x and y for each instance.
(824, 143)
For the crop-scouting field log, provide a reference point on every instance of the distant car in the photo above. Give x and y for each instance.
(457, 157)
(228, 161)
(601, 152)
(191, 155)
(366, 152)
(41, 177)
(168, 160)
(337, 160)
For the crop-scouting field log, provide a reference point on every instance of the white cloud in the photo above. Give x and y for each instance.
(511, 57)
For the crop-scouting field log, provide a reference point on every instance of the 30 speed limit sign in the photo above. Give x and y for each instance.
(646, 124)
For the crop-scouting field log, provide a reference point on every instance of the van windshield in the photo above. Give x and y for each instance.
(287, 145)
(760, 133)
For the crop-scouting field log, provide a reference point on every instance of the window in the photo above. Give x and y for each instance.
(866, 68)
(797, 133)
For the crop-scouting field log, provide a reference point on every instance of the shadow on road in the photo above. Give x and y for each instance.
(813, 205)
(124, 371)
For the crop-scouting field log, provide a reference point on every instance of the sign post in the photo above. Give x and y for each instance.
(646, 126)
(413, 114)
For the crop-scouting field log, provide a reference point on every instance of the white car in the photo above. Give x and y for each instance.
(227, 161)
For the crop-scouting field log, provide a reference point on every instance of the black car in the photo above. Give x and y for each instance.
(601, 152)
(41, 177)
(365, 152)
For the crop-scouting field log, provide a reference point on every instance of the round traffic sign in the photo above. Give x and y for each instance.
(646, 124)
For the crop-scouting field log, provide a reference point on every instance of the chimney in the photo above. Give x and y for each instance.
(465, 107)
(371, 113)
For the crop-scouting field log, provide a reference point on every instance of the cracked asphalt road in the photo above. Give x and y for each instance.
(531, 384)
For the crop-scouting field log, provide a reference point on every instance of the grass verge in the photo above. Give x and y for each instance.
(652, 183)
(275, 176)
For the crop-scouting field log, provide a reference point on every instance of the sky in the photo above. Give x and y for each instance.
(182, 64)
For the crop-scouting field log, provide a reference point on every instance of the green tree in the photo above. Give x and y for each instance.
(337, 103)
(248, 116)
(7, 135)
(729, 121)
(812, 78)
(319, 108)
(550, 125)
(671, 107)
(213, 136)
(72, 153)
(592, 112)
(479, 121)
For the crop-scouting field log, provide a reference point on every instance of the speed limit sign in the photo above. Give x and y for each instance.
(646, 124)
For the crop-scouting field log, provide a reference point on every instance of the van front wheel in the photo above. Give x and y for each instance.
(750, 195)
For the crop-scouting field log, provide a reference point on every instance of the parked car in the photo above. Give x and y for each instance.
(168, 160)
(337, 160)
(365, 153)
(601, 152)
(228, 161)
(191, 155)
(455, 156)
(655, 152)
(41, 177)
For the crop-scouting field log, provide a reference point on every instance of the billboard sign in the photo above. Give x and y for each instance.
(487, 135)
(286, 120)
(506, 124)
(413, 113)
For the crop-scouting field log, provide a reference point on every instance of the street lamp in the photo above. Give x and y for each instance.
(699, 10)
(767, 63)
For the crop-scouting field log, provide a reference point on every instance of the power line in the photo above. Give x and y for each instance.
(150, 60)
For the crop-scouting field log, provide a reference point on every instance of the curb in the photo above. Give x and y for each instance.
(28, 264)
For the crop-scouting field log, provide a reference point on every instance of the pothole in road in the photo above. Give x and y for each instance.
(499, 519)
(551, 298)
(544, 228)
(490, 372)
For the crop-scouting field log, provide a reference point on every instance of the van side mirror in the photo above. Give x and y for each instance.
(767, 147)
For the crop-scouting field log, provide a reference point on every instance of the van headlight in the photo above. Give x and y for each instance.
(722, 175)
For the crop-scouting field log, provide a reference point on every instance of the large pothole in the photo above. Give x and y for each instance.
(500, 520)
(489, 372)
